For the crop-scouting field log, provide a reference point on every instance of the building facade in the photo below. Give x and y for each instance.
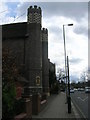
(28, 42)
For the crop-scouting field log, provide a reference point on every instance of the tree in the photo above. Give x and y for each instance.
(84, 76)
(52, 78)
(61, 75)
(9, 73)
(62, 79)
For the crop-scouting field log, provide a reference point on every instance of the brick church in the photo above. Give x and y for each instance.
(28, 42)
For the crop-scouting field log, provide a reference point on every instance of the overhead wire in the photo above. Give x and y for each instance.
(19, 16)
(3, 11)
(14, 16)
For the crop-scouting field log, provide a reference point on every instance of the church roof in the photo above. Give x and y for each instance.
(14, 30)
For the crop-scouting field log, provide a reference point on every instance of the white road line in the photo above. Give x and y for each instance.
(75, 111)
(82, 99)
(79, 110)
(63, 93)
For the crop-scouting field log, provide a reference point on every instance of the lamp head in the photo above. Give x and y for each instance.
(70, 24)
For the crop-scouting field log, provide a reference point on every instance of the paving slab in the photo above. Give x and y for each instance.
(56, 108)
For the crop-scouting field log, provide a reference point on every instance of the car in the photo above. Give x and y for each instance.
(87, 89)
(80, 89)
(71, 90)
(75, 89)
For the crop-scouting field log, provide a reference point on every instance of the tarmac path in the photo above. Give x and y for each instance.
(56, 108)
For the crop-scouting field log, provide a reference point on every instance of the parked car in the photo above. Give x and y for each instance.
(75, 89)
(71, 90)
(80, 89)
(87, 89)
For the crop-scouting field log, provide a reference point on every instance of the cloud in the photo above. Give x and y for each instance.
(81, 27)
(54, 15)
(75, 60)
(81, 30)
(67, 9)
(74, 10)
(74, 78)
(55, 29)
(5, 16)
(3, 11)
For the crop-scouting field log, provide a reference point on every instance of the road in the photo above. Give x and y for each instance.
(80, 100)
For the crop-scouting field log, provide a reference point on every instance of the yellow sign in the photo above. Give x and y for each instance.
(37, 80)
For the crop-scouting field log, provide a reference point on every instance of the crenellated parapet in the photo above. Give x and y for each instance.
(34, 14)
(45, 30)
(44, 34)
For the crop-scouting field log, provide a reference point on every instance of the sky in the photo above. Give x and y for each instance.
(54, 16)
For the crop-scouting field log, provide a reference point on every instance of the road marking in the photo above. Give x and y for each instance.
(75, 111)
(63, 93)
(79, 110)
(82, 99)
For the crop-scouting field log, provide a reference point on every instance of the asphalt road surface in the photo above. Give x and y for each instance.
(80, 100)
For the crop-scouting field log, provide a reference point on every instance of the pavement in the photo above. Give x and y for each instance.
(56, 108)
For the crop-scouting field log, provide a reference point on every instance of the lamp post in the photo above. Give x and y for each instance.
(69, 98)
(65, 55)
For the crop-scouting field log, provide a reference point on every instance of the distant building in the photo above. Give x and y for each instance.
(28, 42)
(52, 74)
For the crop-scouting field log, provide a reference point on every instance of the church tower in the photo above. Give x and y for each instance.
(34, 15)
(45, 63)
(34, 49)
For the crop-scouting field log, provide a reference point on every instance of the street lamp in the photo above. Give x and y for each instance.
(65, 54)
